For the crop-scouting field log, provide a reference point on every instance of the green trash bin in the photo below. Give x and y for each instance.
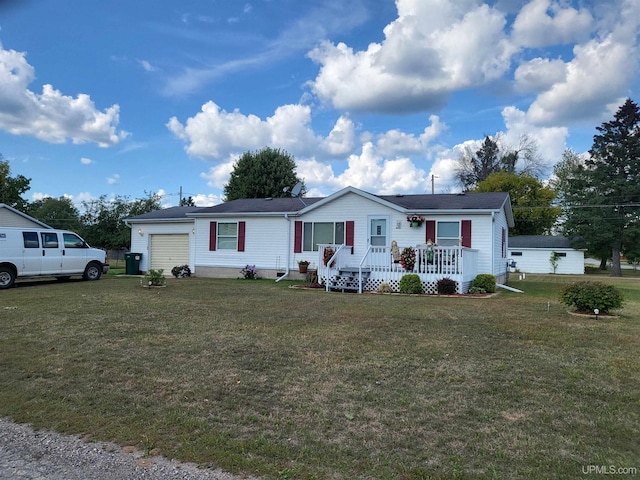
(132, 262)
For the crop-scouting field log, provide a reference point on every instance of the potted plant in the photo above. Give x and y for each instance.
(303, 265)
(415, 220)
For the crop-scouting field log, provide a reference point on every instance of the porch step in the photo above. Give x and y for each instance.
(347, 278)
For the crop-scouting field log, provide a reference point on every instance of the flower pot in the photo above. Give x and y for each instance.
(414, 224)
(303, 268)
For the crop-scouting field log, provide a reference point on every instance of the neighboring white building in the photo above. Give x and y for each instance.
(532, 254)
(10, 217)
(274, 234)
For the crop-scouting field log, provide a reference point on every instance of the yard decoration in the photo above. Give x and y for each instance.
(415, 220)
(408, 258)
(326, 256)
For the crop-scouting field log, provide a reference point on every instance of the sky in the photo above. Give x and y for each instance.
(129, 98)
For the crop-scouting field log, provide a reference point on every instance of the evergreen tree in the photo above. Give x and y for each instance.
(603, 195)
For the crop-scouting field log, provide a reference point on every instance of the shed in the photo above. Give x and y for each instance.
(532, 254)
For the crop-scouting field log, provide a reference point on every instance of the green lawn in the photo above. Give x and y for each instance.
(256, 377)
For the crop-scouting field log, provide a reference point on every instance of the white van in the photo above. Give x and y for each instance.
(34, 252)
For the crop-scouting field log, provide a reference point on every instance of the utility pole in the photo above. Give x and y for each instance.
(180, 201)
(433, 177)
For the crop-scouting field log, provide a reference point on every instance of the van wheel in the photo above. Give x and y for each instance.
(7, 277)
(92, 272)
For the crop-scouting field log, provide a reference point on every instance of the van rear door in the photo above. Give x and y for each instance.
(31, 254)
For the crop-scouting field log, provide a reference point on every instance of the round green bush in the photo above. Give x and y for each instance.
(587, 296)
(410, 283)
(485, 281)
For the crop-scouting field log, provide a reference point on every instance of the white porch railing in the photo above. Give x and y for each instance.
(432, 263)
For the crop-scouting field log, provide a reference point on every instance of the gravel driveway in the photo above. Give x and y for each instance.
(40, 455)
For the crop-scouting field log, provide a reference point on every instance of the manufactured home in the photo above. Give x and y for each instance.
(449, 235)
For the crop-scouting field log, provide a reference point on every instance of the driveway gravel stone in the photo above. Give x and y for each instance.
(27, 454)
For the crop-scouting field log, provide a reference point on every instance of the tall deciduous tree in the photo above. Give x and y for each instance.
(265, 173)
(12, 188)
(532, 202)
(495, 155)
(603, 196)
(56, 212)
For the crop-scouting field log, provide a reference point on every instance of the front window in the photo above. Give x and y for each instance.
(227, 236)
(321, 232)
(72, 241)
(448, 234)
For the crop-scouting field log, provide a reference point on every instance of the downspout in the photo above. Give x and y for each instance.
(493, 242)
(286, 272)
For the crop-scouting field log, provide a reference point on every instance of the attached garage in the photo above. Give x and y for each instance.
(168, 251)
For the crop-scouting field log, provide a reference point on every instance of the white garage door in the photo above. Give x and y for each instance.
(168, 251)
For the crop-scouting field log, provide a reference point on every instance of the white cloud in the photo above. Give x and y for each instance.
(86, 161)
(432, 49)
(113, 179)
(542, 23)
(50, 116)
(395, 142)
(204, 200)
(583, 95)
(539, 74)
(215, 133)
(147, 66)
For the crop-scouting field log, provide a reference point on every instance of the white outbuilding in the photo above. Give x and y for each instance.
(534, 254)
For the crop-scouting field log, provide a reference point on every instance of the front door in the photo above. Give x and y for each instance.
(378, 231)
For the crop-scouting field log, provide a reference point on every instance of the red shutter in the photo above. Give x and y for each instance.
(241, 233)
(348, 234)
(466, 233)
(431, 231)
(297, 241)
(212, 236)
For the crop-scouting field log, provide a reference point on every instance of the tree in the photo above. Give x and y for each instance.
(104, 219)
(532, 202)
(56, 212)
(12, 188)
(603, 195)
(187, 202)
(495, 155)
(265, 173)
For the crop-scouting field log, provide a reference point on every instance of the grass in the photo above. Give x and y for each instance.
(255, 377)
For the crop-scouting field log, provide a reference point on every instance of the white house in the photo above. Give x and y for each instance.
(460, 235)
(532, 254)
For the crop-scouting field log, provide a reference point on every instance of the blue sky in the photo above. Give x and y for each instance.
(126, 98)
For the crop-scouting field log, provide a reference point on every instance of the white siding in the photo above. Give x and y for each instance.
(536, 260)
(140, 240)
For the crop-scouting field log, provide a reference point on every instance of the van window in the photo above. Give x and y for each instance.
(30, 239)
(49, 240)
(72, 241)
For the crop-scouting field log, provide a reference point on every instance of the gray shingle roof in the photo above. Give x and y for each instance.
(539, 241)
(414, 203)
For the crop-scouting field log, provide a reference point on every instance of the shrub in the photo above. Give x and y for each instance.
(181, 271)
(485, 281)
(154, 278)
(447, 286)
(410, 283)
(477, 290)
(384, 288)
(587, 296)
(250, 272)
